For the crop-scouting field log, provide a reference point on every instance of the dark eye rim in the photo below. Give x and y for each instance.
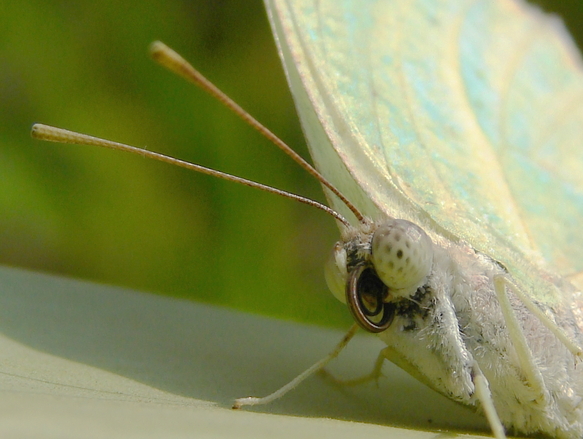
(360, 313)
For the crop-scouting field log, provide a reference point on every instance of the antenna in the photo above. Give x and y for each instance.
(168, 58)
(175, 63)
(53, 134)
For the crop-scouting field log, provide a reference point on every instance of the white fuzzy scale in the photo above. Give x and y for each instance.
(459, 322)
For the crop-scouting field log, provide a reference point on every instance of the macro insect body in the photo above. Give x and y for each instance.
(417, 107)
(499, 334)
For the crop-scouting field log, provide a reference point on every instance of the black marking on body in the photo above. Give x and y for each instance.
(417, 308)
(357, 252)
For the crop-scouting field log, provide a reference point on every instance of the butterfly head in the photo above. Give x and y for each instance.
(378, 265)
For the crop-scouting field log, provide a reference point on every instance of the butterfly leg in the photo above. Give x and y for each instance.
(251, 400)
(373, 375)
(523, 352)
(482, 389)
(544, 319)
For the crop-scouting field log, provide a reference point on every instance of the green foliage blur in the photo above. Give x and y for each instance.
(123, 220)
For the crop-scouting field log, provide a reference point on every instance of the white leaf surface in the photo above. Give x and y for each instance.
(85, 361)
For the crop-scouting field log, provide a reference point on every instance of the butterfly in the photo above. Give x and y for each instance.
(458, 244)
(464, 119)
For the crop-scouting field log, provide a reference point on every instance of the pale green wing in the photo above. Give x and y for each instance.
(462, 116)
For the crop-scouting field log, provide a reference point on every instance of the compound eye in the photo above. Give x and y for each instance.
(402, 255)
(336, 273)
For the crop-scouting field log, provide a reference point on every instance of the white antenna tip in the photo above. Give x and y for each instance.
(157, 47)
(45, 132)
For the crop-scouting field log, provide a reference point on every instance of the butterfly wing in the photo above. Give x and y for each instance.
(462, 116)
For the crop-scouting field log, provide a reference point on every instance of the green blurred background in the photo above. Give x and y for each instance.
(124, 220)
